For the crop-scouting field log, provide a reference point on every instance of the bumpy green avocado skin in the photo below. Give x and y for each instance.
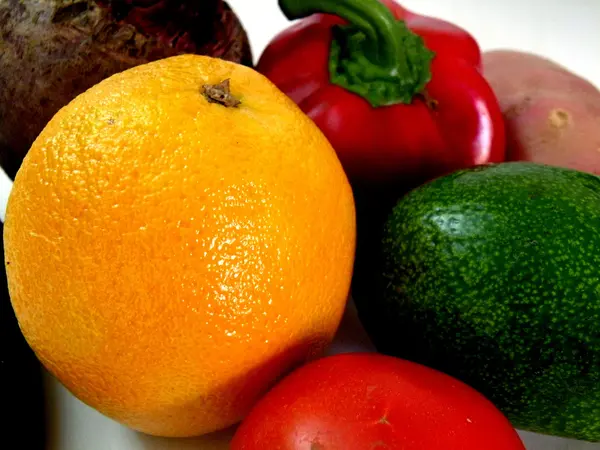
(493, 275)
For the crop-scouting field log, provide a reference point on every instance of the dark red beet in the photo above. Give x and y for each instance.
(53, 50)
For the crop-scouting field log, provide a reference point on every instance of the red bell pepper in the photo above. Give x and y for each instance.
(400, 96)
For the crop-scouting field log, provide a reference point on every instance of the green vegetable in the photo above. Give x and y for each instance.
(493, 275)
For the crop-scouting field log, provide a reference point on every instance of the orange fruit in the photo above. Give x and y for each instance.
(169, 256)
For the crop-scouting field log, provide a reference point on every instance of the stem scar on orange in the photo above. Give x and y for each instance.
(177, 242)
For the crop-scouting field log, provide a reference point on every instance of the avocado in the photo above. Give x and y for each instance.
(21, 386)
(492, 275)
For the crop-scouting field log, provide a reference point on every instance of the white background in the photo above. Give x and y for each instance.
(568, 32)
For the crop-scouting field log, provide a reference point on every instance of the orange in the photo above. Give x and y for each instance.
(169, 257)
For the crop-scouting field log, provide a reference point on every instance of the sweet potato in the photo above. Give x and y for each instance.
(52, 50)
(552, 115)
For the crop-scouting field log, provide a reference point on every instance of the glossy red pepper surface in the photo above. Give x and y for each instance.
(454, 122)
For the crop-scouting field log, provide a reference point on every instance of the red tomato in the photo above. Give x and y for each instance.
(368, 401)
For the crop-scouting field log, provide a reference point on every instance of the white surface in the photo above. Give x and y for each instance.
(565, 31)
(5, 185)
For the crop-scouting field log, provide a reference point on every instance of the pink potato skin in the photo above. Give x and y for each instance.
(552, 115)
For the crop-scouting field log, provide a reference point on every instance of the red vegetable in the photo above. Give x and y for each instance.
(358, 401)
(396, 93)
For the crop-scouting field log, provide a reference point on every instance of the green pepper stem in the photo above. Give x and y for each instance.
(375, 55)
(372, 17)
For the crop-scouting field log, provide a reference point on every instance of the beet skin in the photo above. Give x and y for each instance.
(53, 50)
